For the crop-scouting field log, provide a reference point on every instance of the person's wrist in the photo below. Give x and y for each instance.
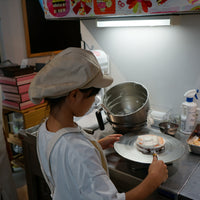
(154, 180)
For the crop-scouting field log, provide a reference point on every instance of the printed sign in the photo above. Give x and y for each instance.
(97, 8)
(58, 8)
(104, 7)
(81, 7)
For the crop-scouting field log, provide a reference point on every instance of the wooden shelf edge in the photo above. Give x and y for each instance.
(14, 139)
(18, 162)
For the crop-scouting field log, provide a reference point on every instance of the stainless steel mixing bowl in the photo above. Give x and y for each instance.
(126, 106)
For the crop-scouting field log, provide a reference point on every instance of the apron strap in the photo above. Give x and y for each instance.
(51, 187)
(103, 160)
(50, 147)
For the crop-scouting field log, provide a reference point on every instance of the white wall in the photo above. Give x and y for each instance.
(12, 32)
(164, 59)
(12, 36)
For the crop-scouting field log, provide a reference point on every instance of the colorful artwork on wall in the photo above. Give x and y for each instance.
(81, 7)
(99, 8)
(102, 7)
(58, 8)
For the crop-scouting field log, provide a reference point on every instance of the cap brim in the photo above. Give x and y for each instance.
(101, 81)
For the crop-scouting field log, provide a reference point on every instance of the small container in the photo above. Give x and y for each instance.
(168, 128)
(157, 117)
(194, 140)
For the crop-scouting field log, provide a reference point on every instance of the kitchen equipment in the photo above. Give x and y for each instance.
(168, 128)
(194, 140)
(157, 117)
(126, 106)
(153, 152)
(126, 147)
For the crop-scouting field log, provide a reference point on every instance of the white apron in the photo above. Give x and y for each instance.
(50, 147)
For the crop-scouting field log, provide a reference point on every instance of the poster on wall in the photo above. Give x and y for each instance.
(99, 8)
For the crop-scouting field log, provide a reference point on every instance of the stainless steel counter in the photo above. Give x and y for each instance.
(184, 173)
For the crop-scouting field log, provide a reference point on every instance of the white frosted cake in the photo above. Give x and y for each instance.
(150, 143)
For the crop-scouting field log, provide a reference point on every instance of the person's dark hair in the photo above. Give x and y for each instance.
(91, 91)
(52, 103)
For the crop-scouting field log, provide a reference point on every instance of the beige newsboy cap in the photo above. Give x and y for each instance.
(73, 68)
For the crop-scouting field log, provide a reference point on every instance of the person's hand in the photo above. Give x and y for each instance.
(108, 141)
(158, 171)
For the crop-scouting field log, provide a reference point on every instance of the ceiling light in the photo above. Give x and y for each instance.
(129, 23)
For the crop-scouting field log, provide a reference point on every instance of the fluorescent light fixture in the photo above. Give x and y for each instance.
(129, 23)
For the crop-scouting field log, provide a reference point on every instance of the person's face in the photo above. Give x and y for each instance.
(86, 104)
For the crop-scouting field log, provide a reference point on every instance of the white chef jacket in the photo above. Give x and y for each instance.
(76, 167)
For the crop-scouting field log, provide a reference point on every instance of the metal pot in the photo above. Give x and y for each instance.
(126, 106)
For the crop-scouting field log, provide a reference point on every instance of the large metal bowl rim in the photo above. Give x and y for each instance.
(127, 82)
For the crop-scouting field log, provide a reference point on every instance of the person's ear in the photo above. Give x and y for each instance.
(73, 95)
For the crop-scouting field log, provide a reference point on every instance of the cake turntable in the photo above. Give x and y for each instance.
(126, 147)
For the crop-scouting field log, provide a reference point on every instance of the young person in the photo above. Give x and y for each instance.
(72, 161)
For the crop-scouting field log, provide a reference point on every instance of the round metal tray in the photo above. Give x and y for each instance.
(126, 147)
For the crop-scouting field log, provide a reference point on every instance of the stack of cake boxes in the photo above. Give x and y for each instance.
(15, 91)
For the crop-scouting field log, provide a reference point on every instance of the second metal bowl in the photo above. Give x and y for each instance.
(168, 128)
